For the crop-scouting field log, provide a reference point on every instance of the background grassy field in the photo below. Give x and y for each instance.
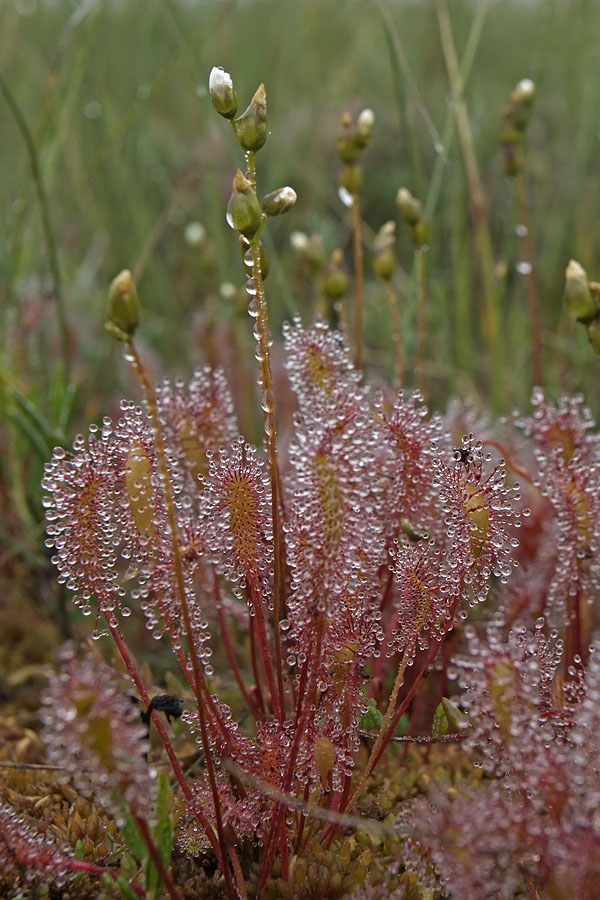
(113, 98)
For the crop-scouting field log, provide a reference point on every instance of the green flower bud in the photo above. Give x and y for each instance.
(409, 207)
(348, 149)
(251, 127)
(384, 264)
(364, 127)
(335, 280)
(123, 307)
(578, 299)
(411, 210)
(384, 259)
(278, 202)
(243, 209)
(221, 91)
(420, 233)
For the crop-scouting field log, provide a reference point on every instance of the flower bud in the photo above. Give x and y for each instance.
(409, 207)
(364, 127)
(243, 209)
(335, 281)
(384, 264)
(420, 233)
(524, 91)
(299, 241)
(411, 210)
(279, 201)
(123, 307)
(384, 259)
(348, 149)
(221, 91)
(251, 127)
(578, 299)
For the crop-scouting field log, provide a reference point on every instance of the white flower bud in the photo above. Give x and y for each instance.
(222, 94)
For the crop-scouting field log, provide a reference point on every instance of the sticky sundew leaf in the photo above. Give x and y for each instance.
(94, 731)
(331, 502)
(198, 418)
(138, 482)
(236, 513)
(319, 365)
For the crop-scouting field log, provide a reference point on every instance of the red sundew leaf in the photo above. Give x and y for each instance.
(197, 418)
(237, 516)
(24, 849)
(95, 732)
(319, 365)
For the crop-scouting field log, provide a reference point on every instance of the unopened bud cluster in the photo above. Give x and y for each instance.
(354, 136)
(244, 212)
(582, 301)
(411, 212)
(515, 119)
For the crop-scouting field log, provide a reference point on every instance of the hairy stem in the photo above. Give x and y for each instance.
(268, 408)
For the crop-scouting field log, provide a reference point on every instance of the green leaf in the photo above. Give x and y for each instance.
(440, 722)
(133, 838)
(455, 717)
(126, 890)
(371, 720)
(162, 834)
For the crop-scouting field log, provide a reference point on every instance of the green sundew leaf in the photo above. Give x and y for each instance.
(371, 720)
(440, 722)
(162, 834)
(133, 838)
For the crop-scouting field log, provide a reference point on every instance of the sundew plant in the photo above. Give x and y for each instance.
(404, 600)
